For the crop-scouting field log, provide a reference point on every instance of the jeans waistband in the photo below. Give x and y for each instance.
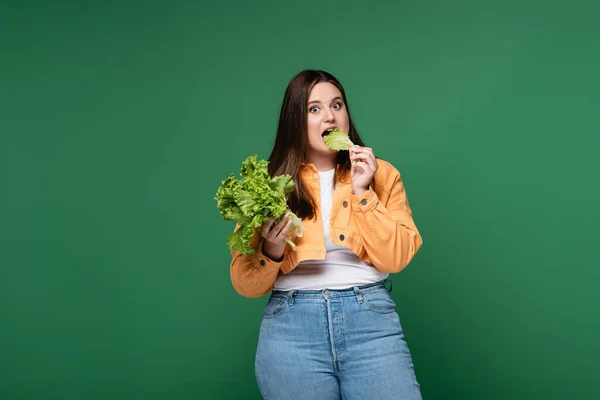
(352, 291)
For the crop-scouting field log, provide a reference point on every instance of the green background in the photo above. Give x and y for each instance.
(119, 120)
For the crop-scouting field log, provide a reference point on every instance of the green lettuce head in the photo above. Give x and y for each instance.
(252, 200)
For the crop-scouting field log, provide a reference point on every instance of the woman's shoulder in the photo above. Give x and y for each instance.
(386, 170)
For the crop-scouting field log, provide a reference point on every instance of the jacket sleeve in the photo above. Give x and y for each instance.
(388, 232)
(254, 275)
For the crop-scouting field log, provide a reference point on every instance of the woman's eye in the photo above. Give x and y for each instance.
(314, 109)
(337, 105)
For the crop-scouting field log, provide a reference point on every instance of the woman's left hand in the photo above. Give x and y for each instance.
(363, 168)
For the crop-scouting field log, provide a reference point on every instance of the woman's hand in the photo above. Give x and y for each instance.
(274, 236)
(363, 168)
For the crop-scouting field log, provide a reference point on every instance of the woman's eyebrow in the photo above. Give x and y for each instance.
(319, 102)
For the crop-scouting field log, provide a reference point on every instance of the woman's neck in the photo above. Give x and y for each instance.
(322, 163)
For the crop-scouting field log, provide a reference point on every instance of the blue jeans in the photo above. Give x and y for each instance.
(332, 344)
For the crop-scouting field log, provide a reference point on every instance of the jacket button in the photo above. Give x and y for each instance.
(342, 237)
(345, 203)
(262, 262)
(363, 202)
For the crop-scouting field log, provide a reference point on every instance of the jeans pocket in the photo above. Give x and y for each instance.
(380, 301)
(275, 307)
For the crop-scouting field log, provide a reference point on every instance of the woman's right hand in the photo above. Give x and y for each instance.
(274, 237)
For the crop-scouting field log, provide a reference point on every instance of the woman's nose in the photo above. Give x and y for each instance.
(329, 115)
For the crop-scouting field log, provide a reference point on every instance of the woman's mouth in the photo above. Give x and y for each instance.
(327, 132)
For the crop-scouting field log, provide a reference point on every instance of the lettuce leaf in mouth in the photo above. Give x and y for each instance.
(252, 200)
(338, 140)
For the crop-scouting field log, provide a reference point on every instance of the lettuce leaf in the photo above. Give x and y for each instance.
(252, 200)
(338, 140)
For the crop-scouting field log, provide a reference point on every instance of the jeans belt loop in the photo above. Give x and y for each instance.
(290, 297)
(359, 294)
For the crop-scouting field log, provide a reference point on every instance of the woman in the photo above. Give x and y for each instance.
(330, 328)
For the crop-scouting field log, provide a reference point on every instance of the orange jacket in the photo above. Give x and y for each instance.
(377, 226)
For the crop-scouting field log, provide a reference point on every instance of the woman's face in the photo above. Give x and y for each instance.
(326, 110)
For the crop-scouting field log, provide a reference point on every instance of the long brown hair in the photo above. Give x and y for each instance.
(289, 149)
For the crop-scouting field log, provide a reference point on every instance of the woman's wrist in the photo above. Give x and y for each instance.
(359, 191)
(275, 254)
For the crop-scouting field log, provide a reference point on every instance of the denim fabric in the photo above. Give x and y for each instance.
(332, 344)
